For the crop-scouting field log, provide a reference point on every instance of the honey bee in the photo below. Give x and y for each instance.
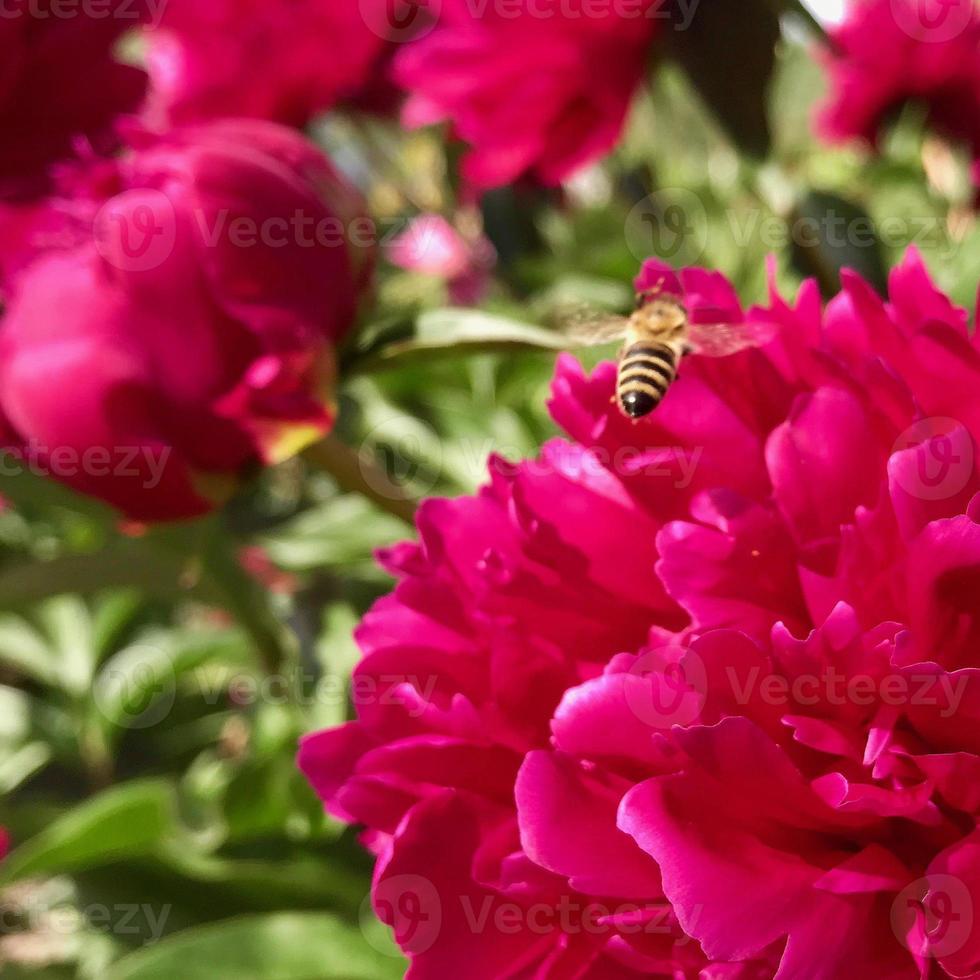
(656, 337)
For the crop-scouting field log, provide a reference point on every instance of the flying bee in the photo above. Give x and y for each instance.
(656, 337)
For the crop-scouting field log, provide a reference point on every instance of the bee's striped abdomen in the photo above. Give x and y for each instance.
(646, 371)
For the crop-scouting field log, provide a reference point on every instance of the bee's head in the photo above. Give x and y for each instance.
(668, 310)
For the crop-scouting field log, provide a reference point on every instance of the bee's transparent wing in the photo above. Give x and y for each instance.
(723, 339)
(588, 327)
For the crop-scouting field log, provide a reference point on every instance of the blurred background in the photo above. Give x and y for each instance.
(154, 681)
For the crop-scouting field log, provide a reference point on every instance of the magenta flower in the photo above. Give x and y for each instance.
(284, 60)
(898, 51)
(432, 246)
(59, 84)
(697, 696)
(174, 323)
(541, 90)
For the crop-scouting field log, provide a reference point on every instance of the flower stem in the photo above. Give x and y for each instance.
(356, 472)
(213, 572)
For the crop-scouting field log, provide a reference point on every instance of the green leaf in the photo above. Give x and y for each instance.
(287, 946)
(457, 332)
(32, 492)
(128, 820)
(341, 532)
(25, 650)
(137, 686)
(111, 618)
(202, 888)
(834, 234)
(67, 622)
(728, 52)
(17, 767)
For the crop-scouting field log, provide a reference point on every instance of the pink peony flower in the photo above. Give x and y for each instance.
(696, 696)
(432, 246)
(175, 321)
(898, 51)
(284, 60)
(540, 90)
(59, 83)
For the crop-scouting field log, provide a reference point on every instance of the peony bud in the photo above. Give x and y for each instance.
(180, 326)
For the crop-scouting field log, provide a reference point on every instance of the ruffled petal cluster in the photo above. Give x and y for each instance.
(894, 52)
(272, 60)
(536, 89)
(695, 697)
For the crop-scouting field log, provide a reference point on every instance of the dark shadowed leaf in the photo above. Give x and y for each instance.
(728, 51)
(458, 332)
(830, 234)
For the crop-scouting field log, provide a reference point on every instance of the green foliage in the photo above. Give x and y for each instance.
(273, 947)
